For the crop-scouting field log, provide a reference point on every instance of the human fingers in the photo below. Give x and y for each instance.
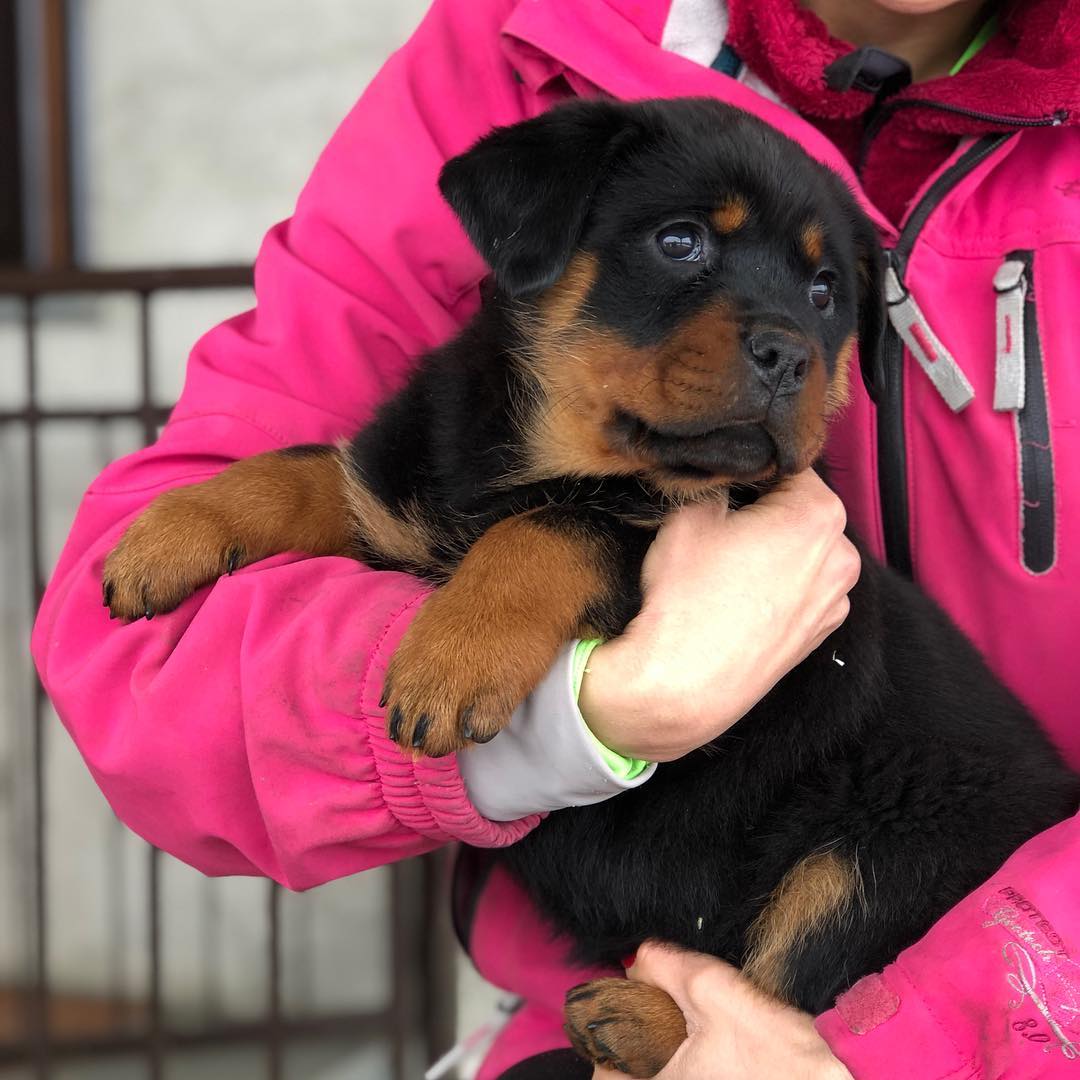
(691, 979)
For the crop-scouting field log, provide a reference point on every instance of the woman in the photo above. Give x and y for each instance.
(958, 133)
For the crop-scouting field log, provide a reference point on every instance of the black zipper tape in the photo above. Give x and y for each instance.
(892, 457)
(886, 109)
(891, 439)
(1038, 547)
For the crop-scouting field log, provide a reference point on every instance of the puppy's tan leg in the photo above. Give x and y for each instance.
(812, 895)
(629, 1026)
(482, 642)
(287, 500)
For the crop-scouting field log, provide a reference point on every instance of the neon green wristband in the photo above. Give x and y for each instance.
(623, 768)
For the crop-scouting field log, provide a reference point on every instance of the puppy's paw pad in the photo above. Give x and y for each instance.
(623, 1025)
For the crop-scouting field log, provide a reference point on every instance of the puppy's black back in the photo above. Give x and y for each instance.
(908, 761)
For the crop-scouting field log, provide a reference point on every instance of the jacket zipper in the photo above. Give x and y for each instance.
(1021, 389)
(891, 439)
(884, 111)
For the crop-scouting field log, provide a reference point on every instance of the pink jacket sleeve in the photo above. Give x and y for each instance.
(241, 732)
(993, 990)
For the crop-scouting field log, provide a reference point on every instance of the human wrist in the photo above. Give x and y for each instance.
(624, 702)
(546, 758)
(621, 766)
(647, 700)
(832, 1068)
(827, 1065)
(604, 704)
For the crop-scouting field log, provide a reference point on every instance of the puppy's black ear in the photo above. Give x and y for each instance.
(523, 192)
(872, 313)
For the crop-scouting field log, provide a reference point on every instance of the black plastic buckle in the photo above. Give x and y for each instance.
(872, 70)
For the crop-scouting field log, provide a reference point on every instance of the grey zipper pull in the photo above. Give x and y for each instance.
(938, 363)
(1011, 286)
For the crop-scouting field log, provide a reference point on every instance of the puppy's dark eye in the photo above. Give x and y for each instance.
(821, 289)
(682, 242)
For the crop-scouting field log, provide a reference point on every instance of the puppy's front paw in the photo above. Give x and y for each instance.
(173, 548)
(624, 1025)
(458, 675)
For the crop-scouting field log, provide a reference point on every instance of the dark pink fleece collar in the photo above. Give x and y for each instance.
(1030, 69)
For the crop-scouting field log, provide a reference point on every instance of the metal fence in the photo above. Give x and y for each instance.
(36, 1032)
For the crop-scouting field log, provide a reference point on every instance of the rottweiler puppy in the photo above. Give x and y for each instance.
(678, 291)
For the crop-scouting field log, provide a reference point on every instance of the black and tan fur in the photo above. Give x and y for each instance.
(678, 294)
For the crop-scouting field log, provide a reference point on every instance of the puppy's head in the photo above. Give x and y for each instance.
(691, 286)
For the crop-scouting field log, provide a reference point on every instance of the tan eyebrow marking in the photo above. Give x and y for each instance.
(731, 214)
(813, 242)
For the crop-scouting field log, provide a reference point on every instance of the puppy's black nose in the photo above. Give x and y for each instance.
(780, 359)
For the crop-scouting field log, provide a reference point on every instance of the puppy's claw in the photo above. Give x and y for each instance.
(397, 718)
(107, 594)
(233, 562)
(421, 730)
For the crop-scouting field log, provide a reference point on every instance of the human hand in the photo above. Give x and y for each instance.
(734, 1032)
(733, 600)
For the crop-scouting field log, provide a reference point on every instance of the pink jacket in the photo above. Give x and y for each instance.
(242, 732)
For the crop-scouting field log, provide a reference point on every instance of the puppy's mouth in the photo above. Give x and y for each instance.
(698, 450)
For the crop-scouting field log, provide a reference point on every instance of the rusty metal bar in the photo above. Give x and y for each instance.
(147, 413)
(154, 1043)
(35, 416)
(38, 1013)
(11, 182)
(57, 90)
(401, 983)
(274, 1064)
(354, 1027)
(34, 283)
(439, 987)
(413, 888)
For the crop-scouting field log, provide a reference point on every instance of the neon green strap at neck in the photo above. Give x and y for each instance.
(989, 29)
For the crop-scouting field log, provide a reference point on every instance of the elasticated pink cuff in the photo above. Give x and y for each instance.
(426, 795)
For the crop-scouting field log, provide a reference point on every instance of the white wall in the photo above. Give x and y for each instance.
(202, 118)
